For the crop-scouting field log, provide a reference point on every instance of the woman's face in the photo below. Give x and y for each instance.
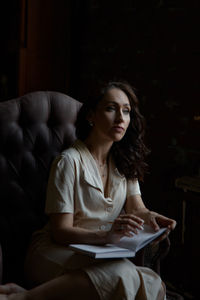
(112, 116)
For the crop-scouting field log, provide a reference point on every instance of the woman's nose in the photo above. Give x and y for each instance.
(119, 116)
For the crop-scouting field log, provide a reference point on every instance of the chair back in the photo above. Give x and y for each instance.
(33, 130)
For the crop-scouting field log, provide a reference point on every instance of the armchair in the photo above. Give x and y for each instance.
(33, 130)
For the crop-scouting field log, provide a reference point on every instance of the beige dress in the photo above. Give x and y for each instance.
(75, 187)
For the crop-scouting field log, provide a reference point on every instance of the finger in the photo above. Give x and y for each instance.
(132, 217)
(129, 229)
(124, 228)
(172, 225)
(121, 233)
(128, 234)
(166, 222)
(130, 223)
(154, 224)
(162, 237)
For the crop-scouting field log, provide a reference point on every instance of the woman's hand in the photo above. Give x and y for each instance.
(156, 221)
(134, 204)
(124, 225)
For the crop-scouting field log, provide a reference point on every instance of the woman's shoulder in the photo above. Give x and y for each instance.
(70, 153)
(73, 153)
(75, 156)
(66, 159)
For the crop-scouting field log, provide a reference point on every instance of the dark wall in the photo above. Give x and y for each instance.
(9, 47)
(35, 46)
(156, 47)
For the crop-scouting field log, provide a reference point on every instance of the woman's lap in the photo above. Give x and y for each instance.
(113, 279)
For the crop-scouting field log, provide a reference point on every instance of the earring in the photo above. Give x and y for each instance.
(91, 123)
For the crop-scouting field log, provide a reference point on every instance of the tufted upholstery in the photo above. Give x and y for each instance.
(33, 130)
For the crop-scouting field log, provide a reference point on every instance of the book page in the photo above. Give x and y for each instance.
(141, 239)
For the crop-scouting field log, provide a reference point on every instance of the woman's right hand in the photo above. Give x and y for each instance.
(124, 225)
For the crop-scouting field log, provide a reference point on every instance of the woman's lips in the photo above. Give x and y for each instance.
(118, 129)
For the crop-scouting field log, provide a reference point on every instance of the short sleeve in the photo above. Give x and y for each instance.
(60, 189)
(133, 187)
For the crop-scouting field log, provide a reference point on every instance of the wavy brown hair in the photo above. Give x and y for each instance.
(130, 152)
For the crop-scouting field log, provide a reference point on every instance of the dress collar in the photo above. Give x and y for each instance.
(91, 172)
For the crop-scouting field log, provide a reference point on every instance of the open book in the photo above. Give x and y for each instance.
(126, 247)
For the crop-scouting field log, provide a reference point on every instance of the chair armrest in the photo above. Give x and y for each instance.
(159, 254)
(151, 255)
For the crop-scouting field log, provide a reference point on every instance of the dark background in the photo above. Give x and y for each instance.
(73, 46)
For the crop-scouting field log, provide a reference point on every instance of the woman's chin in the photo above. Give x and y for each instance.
(117, 138)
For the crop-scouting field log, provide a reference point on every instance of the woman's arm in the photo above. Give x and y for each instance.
(64, 233)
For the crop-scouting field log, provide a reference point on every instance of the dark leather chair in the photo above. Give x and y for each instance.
(33, 130)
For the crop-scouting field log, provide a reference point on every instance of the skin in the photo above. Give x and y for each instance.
(110, 122)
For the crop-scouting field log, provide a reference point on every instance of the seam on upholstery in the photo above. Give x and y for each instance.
(50, 110)
(19, 177)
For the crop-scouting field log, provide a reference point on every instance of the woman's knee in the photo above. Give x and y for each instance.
(84, 285)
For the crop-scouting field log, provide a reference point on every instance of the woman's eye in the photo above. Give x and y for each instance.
(113, 108)
(110, 108)
(126, 111)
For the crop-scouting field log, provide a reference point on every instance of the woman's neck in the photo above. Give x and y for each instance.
(98, 149)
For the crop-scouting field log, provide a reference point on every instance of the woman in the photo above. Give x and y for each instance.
(93, 197)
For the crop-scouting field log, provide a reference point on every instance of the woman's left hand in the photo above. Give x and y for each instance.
(156, 221)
